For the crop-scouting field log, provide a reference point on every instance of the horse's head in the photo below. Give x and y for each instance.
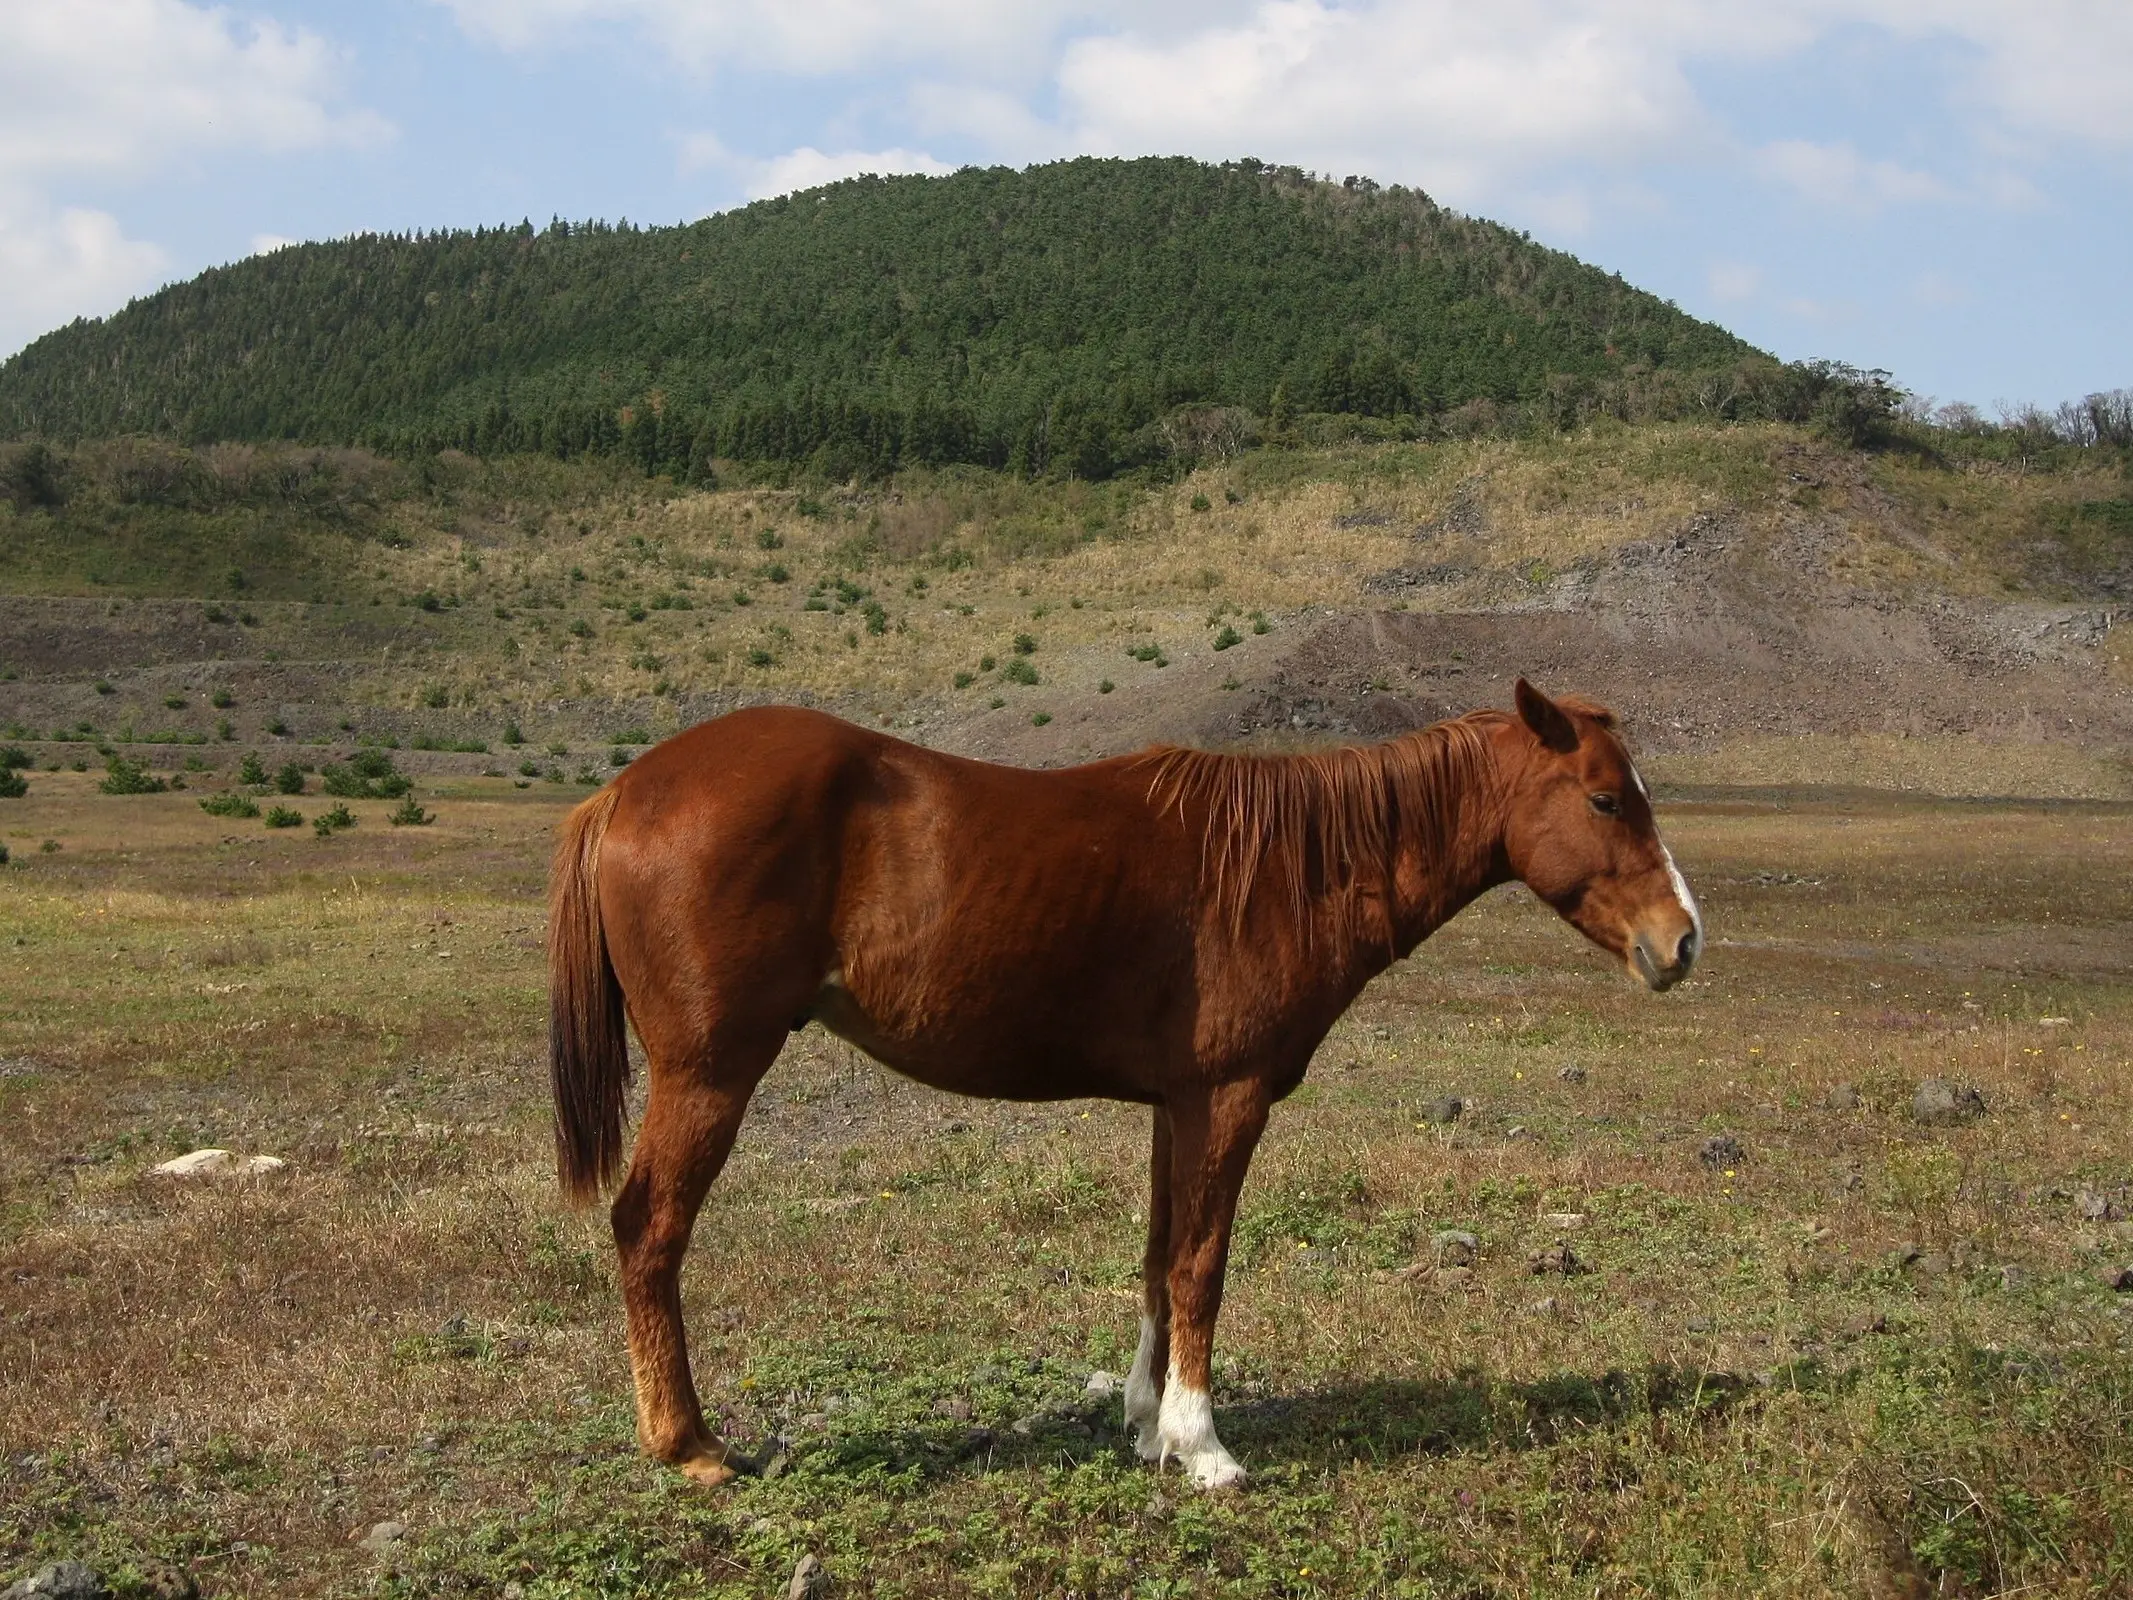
(1579, 831)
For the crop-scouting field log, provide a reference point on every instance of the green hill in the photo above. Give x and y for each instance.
(1036, 320)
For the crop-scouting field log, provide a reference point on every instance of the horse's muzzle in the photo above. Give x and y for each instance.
(1662, 973)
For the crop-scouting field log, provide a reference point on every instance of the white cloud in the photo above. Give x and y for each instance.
(1837, 175)
(265, 244)
(801, 36)
(121, 88)
(56, 265)
(804, 168)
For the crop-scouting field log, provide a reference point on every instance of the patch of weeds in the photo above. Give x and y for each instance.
(1039, 718)
(877, 618)
(409, 814)
(230, 804)
(284, 817)
(964, 680)
(328, 823)
(1228, 637)
(1020, 670)
(1105, 686)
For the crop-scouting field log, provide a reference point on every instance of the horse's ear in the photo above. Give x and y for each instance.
(1546, 719)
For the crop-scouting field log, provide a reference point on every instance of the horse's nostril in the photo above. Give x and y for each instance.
(1685, 952)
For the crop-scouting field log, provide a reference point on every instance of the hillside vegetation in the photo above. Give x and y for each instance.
(1044, 320)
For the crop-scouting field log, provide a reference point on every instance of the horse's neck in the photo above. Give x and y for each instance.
(1437, 877)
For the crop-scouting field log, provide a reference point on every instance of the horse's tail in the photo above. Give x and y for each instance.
(588, 1040)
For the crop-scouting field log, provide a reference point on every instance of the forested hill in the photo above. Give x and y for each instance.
(1032, 319)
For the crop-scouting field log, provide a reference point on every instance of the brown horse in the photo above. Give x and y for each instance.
(1174, 928)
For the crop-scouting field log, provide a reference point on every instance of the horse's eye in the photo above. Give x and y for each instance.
(1607, 805)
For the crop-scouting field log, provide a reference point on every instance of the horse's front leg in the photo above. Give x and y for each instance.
(1144, 1384)
(1213, 1133)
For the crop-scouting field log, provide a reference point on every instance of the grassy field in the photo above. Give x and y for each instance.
(1858, 1355)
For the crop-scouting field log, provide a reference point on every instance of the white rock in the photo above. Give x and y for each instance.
(209, 1163)
(1102, 1385)
(215, 1163)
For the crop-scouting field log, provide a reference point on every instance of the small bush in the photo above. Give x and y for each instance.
(986, 663)
(964, 680)
(284, 817)
(278, 728)
(1227, 637)
(328, 823)
(173, 702)
(225, 729)
(581, 629)
(368, 775)
(290, 780)
(877, 618)
(1025, 644)
(769, 539)
(1020, 670)
(760, 657)
(621, 756)
(14, 755)
(252, 769)
(1039, 718)
(436, 696)
(229, 804)
(129, 777)
(512, 734)
(103, 686)
(777, 573)
(1200, 502)
(1106, 686)
(632, 736)
(13, 785)
(636, 611)
(411, 815)
(529, 769)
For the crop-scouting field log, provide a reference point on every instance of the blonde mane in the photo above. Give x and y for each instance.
(1329, 819)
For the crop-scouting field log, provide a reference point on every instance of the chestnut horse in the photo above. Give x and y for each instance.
(1175, 928)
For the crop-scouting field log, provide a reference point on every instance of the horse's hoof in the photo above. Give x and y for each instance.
(709, 1467)
(1222, 1474)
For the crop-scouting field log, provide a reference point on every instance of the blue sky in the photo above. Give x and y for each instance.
(1940, 187)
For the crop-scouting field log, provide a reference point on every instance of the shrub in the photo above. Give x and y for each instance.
(1040, 718)
(621, 756)
(985, 663)
(1106, 686)
(436, 696)
(129, 777)
(252, 769)
(284, 817)
(759, 657)
(1200, 502)
(411, 815)
(368, 775)
(1227, 637)
(964, 680)
(173, 702)
(229, 804)
(769, 539)
(327, 823)
(13, 785)
(1025, 644)
(290, 780)
(529, 769)
(14, 755)
(877, 618)
(581, 629)
(278, 728)
(1020, 670)
(225, 729)
(103, 686)
(512, 734)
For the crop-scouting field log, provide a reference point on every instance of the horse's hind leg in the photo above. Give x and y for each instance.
(690, 1119)
(1144, 1384)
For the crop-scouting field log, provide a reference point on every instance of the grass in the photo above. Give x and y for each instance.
(901, 1296)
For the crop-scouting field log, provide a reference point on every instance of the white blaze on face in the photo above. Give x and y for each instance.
(1186, 1431)
(1673, 873)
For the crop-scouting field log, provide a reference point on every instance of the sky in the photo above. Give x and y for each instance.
(1942, 188)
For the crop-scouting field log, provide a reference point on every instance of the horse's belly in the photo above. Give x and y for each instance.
(962, 1056)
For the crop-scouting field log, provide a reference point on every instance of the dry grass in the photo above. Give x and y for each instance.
(405, 1326)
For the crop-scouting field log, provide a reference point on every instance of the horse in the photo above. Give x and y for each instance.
(1174, 928)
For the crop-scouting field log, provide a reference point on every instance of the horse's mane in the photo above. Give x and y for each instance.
(1330, 815)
